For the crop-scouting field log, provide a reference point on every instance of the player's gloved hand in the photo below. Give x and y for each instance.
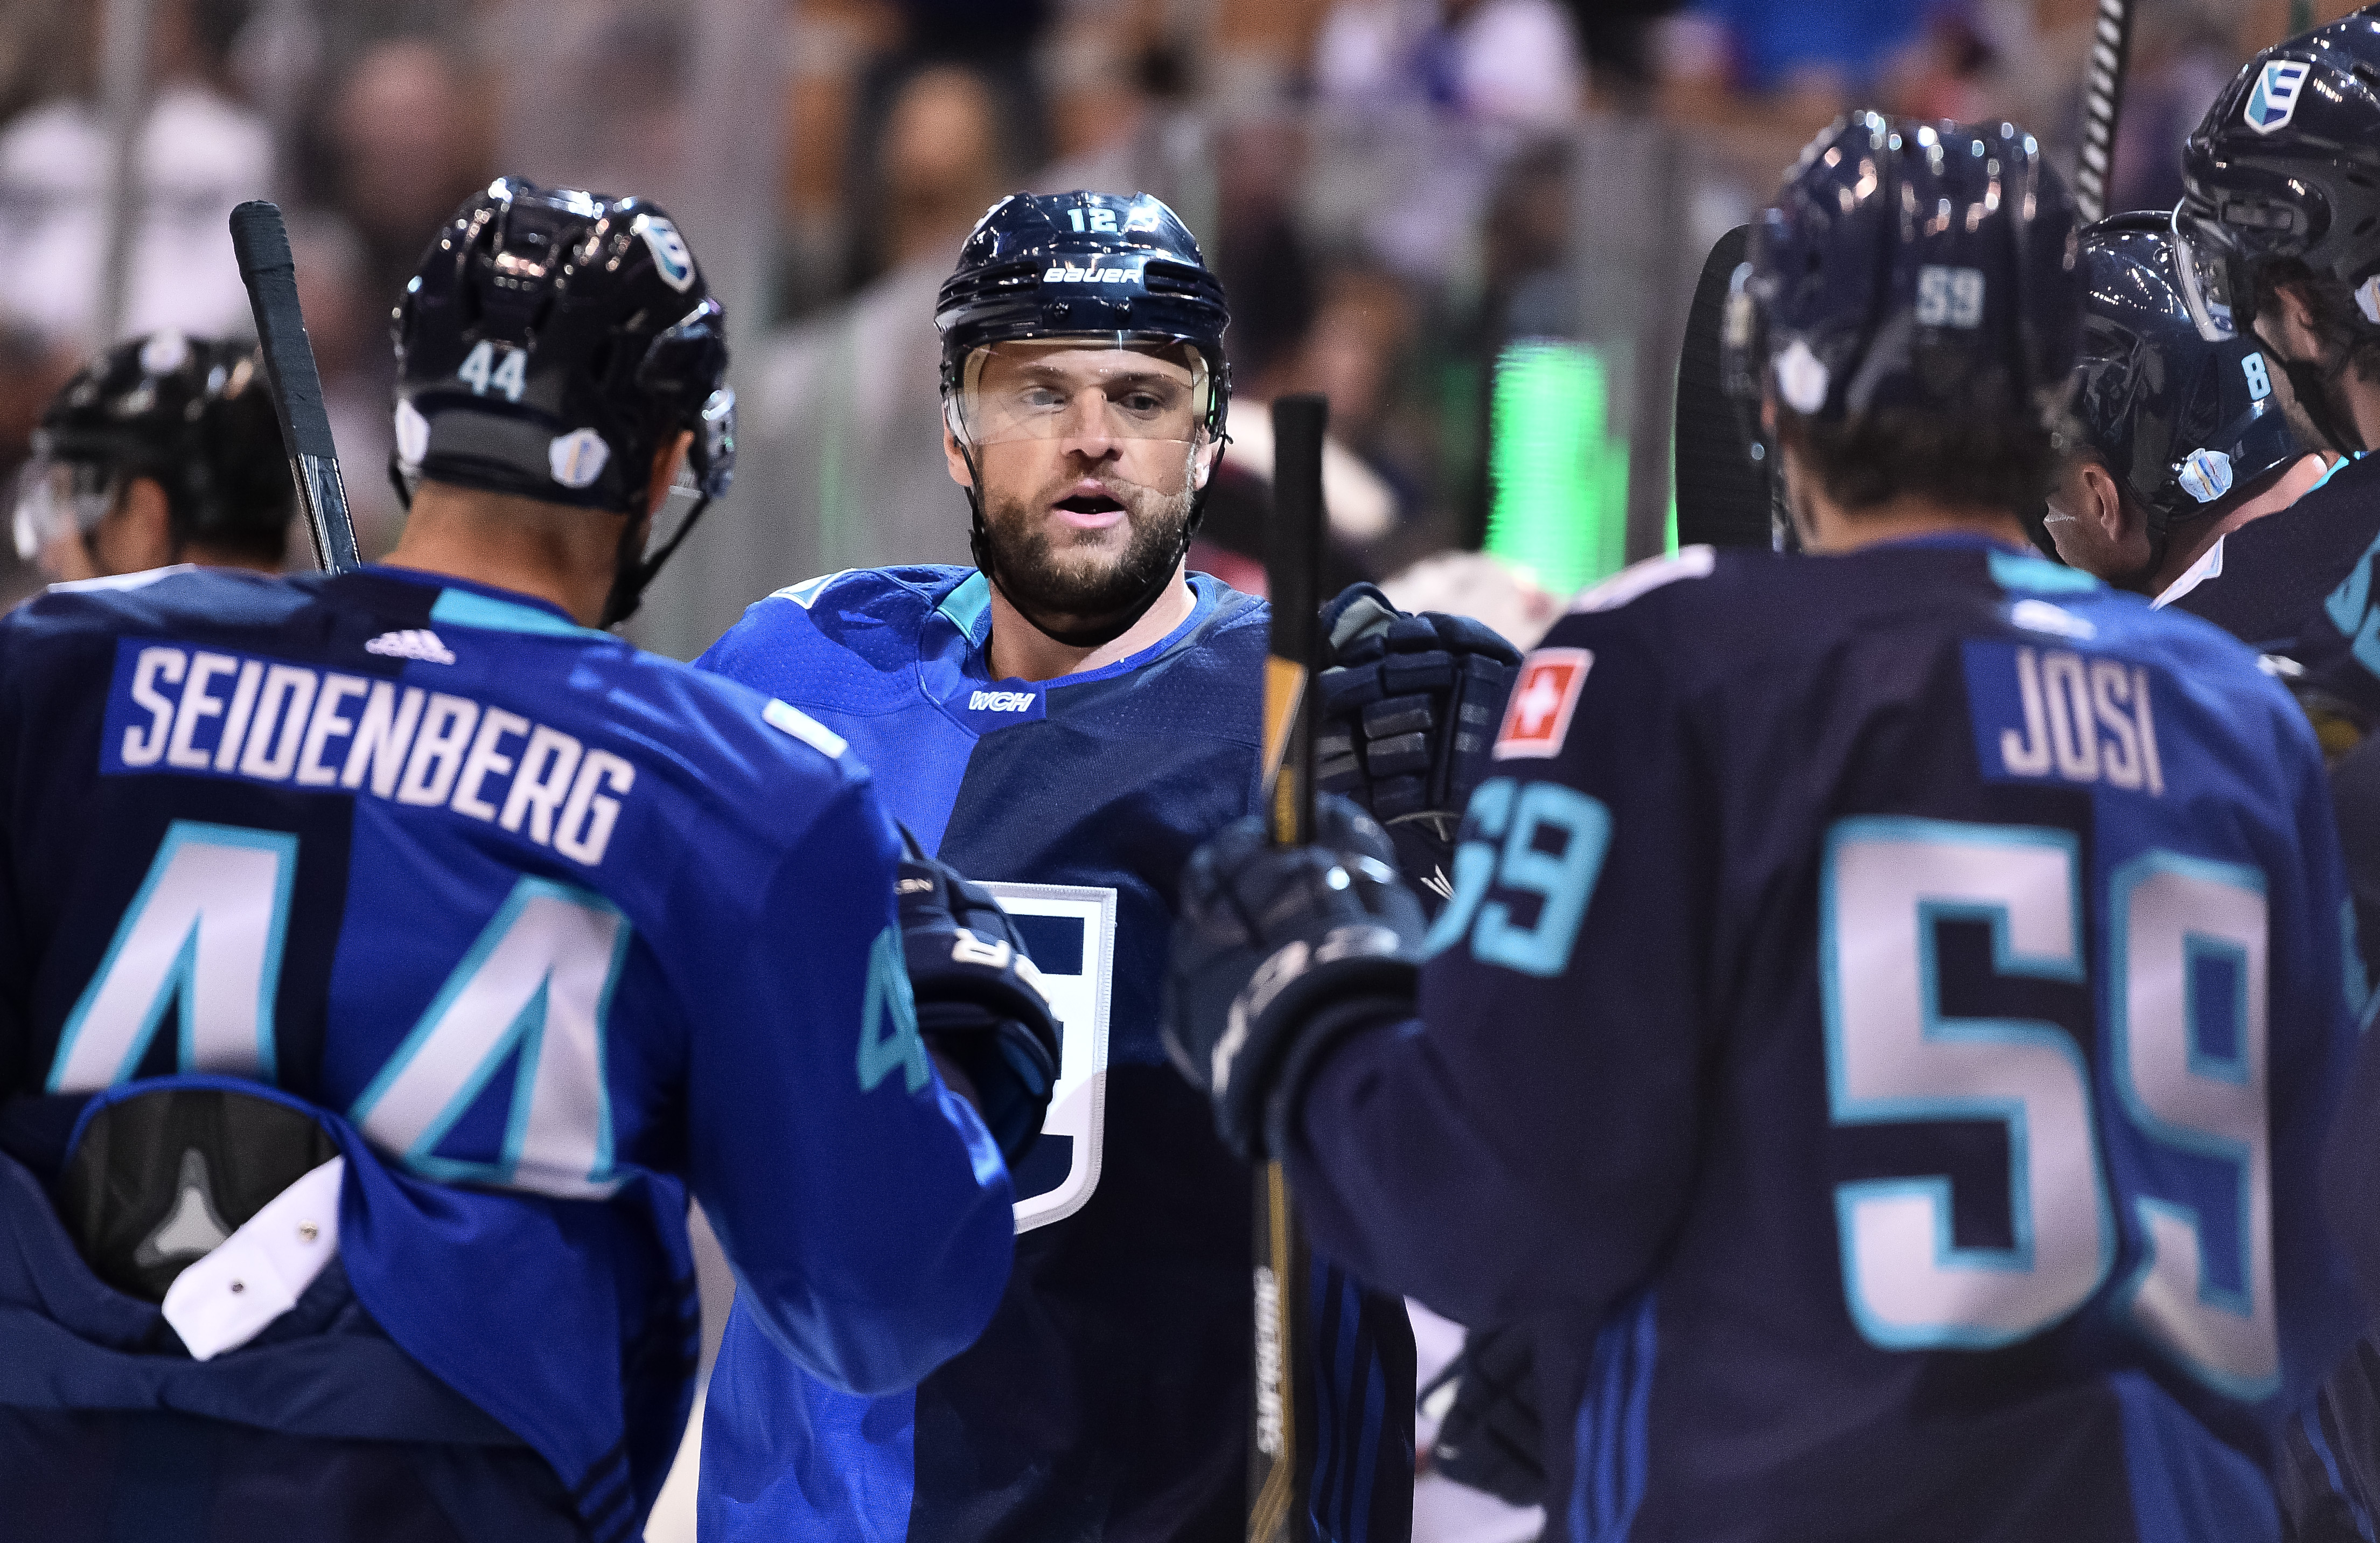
(979, 1005)
(1409, 709)
(1280, 951)
(1488, 1437)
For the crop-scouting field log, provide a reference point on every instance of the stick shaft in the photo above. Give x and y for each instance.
(1280, 1430)
(2103, 103)
(260, 242)
(125, 90)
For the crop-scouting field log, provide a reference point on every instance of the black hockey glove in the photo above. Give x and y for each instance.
(980, 1003)
(1278, 952)
(1410, 705)
(1488, 1437)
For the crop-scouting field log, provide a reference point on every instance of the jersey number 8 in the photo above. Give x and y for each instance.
(2180, 1110)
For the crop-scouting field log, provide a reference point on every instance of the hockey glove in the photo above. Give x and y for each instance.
(980, 1003)
(1409, 712)
(1279, 952)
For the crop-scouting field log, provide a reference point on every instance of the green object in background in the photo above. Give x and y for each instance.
(1558, 483)
(2301, 17)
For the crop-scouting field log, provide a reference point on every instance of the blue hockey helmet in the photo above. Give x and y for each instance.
(550, 344)
(1088, 265)
(2286, 164)
(1102, 271)
(194, 415)
(2182, 422)
(1918, 265)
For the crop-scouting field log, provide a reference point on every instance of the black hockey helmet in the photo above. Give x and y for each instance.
(2180, 421)
(550, 344)
(1114, 271)
(2286, 164)
(1926, 265)
(193, 414)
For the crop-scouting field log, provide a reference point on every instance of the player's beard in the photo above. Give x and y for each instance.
(1047, 570)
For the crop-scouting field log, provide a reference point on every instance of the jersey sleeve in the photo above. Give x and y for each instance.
(863, 1205)
(1533, 1131)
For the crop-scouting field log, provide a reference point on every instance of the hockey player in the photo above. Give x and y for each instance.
(2177, 440)
(2278, 235)
(1070, 717)
(163, 449)
(388, 955)
(1891, 999)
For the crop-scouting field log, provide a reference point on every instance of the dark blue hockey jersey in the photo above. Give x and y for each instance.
(565, 928)
(1109, 1397)
(1881, 1039)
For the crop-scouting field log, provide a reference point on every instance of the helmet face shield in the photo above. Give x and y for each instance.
(1101, 387)
(57, 499)
(2211, 279)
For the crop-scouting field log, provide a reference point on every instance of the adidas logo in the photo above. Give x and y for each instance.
(413, 643)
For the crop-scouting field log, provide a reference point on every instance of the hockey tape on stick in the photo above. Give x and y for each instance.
(260, 242)
(2103, 101)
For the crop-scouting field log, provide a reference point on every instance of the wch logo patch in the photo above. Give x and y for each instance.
(1069, 930)
(2275, 99)
(2057, 714)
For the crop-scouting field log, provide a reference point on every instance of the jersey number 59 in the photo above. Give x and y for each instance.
(2178, 1114)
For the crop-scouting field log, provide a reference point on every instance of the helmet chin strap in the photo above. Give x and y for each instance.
(1104, 630)
(632, 571)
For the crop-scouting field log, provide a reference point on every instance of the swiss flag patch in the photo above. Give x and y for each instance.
(1538, 717)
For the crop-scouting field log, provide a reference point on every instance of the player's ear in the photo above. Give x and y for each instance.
(2103, 505)
(1203, 461)
(954, 458)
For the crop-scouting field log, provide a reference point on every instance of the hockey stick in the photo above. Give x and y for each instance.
(1278, 1501)
(1722, 490)
(261, 243)
(2103, 100)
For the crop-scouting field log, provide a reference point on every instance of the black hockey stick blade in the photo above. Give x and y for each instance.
(2103, 103)
(1279, 1433)
(260, 242)
(1722, 490)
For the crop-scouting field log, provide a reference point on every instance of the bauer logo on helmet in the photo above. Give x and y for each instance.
(1068, 273)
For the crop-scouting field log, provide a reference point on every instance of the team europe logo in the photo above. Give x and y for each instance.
(2275, 99)
(669, 254)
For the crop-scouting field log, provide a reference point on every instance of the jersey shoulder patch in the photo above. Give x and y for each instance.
(1642, 578)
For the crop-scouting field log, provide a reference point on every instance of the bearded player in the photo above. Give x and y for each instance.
(1071, 716)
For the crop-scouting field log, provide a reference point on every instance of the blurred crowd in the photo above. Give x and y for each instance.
(1392, 189)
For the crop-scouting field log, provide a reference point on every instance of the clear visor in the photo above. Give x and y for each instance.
(1088, 388)
(2205, 275)
(678, 506)
(58, 499)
